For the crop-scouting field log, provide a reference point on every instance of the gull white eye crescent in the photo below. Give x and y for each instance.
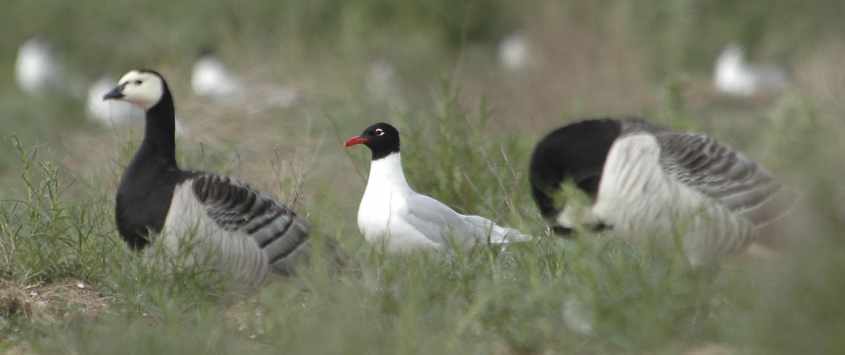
(379, 132)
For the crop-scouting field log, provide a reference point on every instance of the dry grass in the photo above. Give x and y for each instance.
(51, 303)
(589, 62)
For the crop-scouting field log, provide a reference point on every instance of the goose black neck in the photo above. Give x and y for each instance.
(160, 131)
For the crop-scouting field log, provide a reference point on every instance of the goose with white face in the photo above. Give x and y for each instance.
(143, 89)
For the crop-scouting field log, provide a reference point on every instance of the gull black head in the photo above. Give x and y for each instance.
(381, 138)
(143, 88)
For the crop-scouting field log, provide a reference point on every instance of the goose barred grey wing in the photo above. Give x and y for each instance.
(236, 207)
(719, 172)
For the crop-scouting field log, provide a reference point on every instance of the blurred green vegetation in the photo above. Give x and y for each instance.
(107, 36)
(467, 131)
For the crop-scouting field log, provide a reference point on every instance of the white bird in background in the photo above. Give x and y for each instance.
(382, 84)
(36, 69)
(393, 215)
(515, 52)
(115, 113)
(212, 79)
(109, 113)
(39, 71)
(733, 76)
(640, 180)
(243, 233)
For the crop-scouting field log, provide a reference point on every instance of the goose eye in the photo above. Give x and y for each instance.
(379, 132)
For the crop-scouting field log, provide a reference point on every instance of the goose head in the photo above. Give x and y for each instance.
(142, 88)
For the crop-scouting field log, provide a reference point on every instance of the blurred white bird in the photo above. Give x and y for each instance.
(109, 112)
(515, 52)
(116, 113)
(212, 79)
(36, 69)
(267, 95)
(39, 71)
(733, 76)
(382, 84)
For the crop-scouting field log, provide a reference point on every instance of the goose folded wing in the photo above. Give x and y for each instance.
(238, 208)
(727, 176)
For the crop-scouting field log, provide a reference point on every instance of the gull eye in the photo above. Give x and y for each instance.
(137, 82)
(379, 132)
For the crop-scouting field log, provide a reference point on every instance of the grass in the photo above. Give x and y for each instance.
(467, 133)
(529, 299)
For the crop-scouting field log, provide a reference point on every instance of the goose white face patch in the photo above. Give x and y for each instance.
(141, 89)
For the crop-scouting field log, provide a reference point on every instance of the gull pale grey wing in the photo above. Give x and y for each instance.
(434, 218)
(237, 207)
(727, 176)
(494, 233)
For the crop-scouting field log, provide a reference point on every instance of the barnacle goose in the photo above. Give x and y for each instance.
(640, 180)
(246, 232)
(396, 217)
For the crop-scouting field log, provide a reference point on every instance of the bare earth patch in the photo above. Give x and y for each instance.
(50, 302)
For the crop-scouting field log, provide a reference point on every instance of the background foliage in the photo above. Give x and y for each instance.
(68, 284)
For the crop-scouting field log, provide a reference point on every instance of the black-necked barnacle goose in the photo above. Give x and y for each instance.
(641, 179)
(395, 216)
(247, 232)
